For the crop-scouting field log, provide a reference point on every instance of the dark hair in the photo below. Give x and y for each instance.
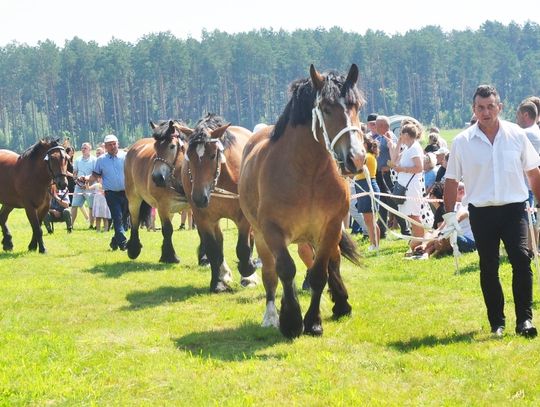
(437, 190)
(372, 146)
(485, 91)
(529, 108)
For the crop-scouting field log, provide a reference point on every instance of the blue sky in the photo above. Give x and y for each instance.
(30, 21)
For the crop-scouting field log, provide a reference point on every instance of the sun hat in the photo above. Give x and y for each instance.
(109, 138)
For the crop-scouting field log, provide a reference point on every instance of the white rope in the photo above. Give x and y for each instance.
(533, 240)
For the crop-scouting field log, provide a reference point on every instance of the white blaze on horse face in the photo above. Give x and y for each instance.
(356, 145)
(200, 150)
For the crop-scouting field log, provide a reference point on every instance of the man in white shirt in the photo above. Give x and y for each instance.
(82, 169)
(491, 157)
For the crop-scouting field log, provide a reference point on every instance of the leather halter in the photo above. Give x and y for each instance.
(317, 116)
(63, 153)
(218, 162)
(172, 165)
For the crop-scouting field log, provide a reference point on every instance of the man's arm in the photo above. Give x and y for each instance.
(450, 194)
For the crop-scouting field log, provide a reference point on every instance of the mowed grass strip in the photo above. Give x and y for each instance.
(82, 325)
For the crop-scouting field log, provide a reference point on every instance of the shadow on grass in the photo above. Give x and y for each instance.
(116, 270)
(13, 255)
(237, 344)
(431, 341)
(161, 295)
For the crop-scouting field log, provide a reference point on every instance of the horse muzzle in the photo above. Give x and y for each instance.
(201, 200)
(159, 179)
(61, 182)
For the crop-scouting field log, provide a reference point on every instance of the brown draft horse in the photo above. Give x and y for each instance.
(292, 191)
(152, 180)
(210, 178)
(25, 181)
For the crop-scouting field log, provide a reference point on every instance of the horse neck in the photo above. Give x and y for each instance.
(305, 149)
(37, 167)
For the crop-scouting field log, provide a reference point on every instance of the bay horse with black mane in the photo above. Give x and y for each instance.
(155, 181)
(210, 178)
(25, 180)
(292, 190)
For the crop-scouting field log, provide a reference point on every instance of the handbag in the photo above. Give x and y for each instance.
(400, 190)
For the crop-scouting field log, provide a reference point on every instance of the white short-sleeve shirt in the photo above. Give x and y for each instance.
(493, 174)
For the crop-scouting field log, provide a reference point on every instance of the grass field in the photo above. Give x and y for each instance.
(82, 325)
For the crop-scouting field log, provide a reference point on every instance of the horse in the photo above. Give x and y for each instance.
(210, 178)
(146, 185)
(292, 190)
(25, 181)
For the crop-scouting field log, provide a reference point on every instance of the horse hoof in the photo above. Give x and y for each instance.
(42, 250)
(342, 310)
(251, 281)
(133, 249)
(220, 287)
(290, 321)
(170, 260)
(314, 330)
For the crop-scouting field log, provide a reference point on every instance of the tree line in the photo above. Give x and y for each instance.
(83, 90)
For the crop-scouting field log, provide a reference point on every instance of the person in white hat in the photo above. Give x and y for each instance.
(110, 167)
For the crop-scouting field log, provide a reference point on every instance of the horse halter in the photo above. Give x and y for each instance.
(220, 159)
(47, 158)
(317, 115)
(172, 166)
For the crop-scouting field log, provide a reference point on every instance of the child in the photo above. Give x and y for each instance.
(100, 209)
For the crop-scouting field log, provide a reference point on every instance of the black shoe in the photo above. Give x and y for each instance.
(123, 246)
(182, 227)
(526, 329)
(497, 332)
(113, 245)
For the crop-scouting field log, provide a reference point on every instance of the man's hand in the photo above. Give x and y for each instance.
(451, 223)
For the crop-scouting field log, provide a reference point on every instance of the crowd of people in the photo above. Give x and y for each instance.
(481, 192)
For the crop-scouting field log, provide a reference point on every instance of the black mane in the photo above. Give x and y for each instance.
(162, 131)
(299, 108)
(37, 148)
(208, 123)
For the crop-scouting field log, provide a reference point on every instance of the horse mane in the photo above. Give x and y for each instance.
(208, 123)
(298, 110)
(162, 130)
(32, 151)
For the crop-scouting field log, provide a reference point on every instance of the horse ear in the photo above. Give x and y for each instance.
(183, 129)
(352, 77)
(316, 78)
(152, 125)
(220, 131)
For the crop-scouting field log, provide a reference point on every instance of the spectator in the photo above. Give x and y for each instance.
(58, 209)
(371, 125)
(433, 143)
(71, 180)
(82, 169)
(364, 203)
(409, 168)
(429, 170)
(491, 157)
(100, 210)
(387, 141)
(442, 160)
(536, 101)
(110, 167)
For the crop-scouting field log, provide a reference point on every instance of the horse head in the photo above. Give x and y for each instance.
(57, 161)
(335, 117)
(204, 156)
(169, 147)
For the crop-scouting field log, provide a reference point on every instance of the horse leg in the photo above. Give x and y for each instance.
(270, 282)
(134, 245)
(201, 252)
(213, 242)
(7, 240)
(168, 255)
(338, 291)
(42, 212)
(246, 266)
(290, 316)
(317, 277)
(37, 234)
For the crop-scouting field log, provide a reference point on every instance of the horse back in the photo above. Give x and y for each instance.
(20, 181)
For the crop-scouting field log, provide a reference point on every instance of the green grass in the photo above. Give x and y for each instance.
(82, 325)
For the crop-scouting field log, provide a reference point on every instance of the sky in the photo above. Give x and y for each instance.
(31, 21)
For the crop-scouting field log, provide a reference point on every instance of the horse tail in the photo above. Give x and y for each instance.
(349, 248)
(144, 213)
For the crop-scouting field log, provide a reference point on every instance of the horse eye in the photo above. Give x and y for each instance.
(171, 146)
(326, 111)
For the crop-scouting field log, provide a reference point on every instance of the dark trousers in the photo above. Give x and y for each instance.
(384, 180)
(118, 205)
(508, 223)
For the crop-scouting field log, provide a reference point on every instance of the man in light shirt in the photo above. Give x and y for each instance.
(491, 156)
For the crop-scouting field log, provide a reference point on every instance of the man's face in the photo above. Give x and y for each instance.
(85, 150)
(371, 127)
(487, 110)
(112, 147)
(381, 127)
